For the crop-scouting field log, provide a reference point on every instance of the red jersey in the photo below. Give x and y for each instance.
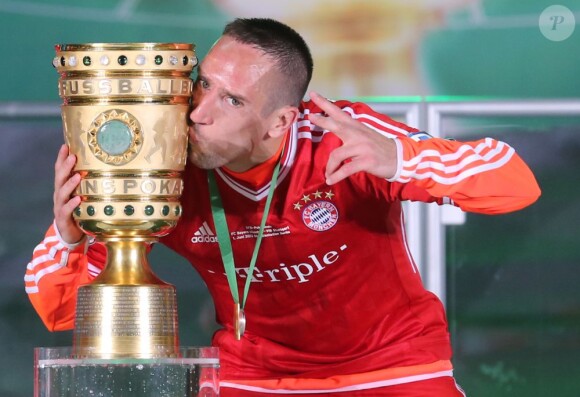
(336, 302)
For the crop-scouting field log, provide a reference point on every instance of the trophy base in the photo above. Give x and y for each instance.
(117, 321)
(194, 373)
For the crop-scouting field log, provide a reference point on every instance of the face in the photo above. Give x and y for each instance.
(230, 126)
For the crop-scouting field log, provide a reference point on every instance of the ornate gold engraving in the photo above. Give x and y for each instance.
(134, 140)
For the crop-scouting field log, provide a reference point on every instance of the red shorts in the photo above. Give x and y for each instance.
(444, 386)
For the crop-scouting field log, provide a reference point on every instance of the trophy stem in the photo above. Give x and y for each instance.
(127, 263)
(126, 311)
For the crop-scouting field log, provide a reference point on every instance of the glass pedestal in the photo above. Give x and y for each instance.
(58, 373)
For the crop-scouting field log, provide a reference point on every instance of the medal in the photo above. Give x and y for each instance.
(225, 246)
(239, 321)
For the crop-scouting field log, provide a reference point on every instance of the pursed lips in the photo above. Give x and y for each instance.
(192, 133)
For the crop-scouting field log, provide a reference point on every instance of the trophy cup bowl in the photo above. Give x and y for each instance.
(125, 109)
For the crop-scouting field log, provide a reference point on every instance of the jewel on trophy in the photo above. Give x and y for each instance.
(140, 60)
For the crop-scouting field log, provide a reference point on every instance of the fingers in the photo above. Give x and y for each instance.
(69, 206)
(342, 163)
(63, 166)
(64, 201)
(335, 120)
(64, 182)
(347, 169)
(376, 156)
(326, 123)
(335, 159)
(328, 107)
(67, 227)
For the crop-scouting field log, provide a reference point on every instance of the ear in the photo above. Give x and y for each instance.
(281, 119)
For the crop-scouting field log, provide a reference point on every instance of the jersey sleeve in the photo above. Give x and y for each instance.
(484, 176)
(55, 272)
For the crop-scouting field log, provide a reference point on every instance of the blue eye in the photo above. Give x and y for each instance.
(202, 83)
(234, 102)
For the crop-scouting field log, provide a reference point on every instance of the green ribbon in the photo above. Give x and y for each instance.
(223, 234)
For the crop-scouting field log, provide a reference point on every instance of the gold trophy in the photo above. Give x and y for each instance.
(125, 109)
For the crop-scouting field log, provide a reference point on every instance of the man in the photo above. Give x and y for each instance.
(336, 303)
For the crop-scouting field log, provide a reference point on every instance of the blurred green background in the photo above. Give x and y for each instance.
(512, 281)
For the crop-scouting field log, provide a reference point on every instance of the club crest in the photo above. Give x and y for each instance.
(318, 212)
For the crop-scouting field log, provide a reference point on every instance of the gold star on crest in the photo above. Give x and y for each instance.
(306, 198)
(317, 194)
(328, 194)
(297, 206)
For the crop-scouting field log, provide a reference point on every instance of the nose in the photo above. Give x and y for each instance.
(200, 113)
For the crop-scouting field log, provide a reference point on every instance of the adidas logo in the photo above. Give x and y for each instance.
(204, 235)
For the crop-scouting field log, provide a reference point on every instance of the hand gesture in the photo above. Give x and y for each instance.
(65, 184)
(362, 148)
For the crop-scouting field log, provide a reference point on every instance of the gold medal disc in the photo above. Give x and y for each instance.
(239, 321)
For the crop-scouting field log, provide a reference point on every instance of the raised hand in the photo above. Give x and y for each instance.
(64, 202)
(362, 148)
